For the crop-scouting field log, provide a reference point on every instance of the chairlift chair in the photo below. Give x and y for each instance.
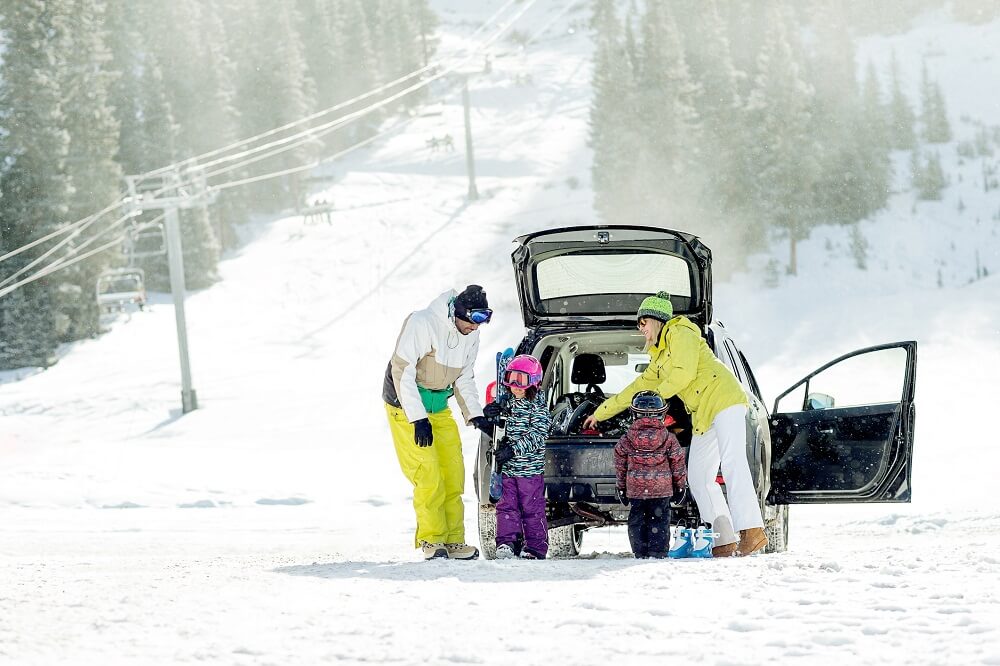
(146, 240)
(119, 287)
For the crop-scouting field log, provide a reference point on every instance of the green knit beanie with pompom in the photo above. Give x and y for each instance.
(656, 307)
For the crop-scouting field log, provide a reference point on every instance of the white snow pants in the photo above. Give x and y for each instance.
(726, 442)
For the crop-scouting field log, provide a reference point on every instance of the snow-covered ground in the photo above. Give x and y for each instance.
(272, 524)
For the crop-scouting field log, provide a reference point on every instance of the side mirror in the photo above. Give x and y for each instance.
(818, 401)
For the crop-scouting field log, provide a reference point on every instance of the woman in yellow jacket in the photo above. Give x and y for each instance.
(682, 364)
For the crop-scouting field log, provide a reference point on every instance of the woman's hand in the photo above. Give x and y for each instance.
(590, 423)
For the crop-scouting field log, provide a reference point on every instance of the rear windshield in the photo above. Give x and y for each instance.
(608, 283)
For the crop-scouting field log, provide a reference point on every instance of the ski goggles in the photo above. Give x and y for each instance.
(519, 379)
(477, 316)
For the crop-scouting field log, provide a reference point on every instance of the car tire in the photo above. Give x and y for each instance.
(776, 529)
(566, 541)
(488, 531)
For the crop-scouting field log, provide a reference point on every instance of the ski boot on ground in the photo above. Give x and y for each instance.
(434, 551)
(704, 539)
(461, 551)
(505, 552)
(683, 543)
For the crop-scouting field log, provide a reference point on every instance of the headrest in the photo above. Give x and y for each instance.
(588, 369)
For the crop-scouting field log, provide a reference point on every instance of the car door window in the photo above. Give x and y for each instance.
(866, 379)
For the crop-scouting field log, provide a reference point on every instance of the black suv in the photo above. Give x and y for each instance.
(842, 434)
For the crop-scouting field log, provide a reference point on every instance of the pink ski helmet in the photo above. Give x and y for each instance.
(523, 371)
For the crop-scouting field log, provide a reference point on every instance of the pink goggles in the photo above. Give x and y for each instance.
(520, 379)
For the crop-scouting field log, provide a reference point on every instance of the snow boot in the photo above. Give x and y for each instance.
(434, 551)
(751, 541)
(461, 551)
(505, 552)
(704, 539)
(683, 543)
(725, 550)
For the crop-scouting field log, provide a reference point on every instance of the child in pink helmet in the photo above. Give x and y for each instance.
(520, 458)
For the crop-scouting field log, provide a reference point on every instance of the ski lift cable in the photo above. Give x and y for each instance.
(85, 223)
(52, 268)
(318, 131)
(44, 270)
(340, 105)
(313, 165)
(68, 260)
(62, 230)
(70, 253)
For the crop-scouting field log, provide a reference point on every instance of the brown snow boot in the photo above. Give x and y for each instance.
(725, 550)
(751, 541)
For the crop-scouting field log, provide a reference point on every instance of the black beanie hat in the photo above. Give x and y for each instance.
(472, 298)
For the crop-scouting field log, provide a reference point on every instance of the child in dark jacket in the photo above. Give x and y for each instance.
(650, 468)
(521, 460)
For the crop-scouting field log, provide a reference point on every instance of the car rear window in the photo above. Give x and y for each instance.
(621, 273)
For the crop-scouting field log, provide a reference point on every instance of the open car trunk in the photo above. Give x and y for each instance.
(600, 274)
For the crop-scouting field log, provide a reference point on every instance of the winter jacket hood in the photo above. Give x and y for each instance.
(432, 353)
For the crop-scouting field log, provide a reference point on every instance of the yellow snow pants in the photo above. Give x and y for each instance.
(437, 473)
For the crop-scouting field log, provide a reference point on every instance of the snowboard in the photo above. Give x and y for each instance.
(501, 397)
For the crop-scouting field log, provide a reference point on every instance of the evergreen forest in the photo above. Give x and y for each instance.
(94, 91)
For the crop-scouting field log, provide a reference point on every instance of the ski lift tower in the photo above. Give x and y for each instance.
(170, 190)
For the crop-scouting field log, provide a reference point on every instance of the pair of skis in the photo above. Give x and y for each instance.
(501, 397)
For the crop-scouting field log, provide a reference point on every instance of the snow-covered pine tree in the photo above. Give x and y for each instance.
(928, 177)
(778, 157)
(94, 173)
(274, 88)
(934, 115)
(361, 66)
(836, 116)
(322, 48)
(612, 118)
(126, 88)
(34, 187)
(221, 116)
(872, 142)
(901, 116)
(718, 106)
(667, 117)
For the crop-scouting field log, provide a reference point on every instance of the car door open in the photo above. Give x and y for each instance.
(844, 433)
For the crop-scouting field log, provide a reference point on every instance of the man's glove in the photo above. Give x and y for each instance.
(484, 425)
(503, 454)
(493, 410)
(422, 433)
(622, 496)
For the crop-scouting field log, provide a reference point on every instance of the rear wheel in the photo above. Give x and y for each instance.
(488, 531)
(776, 529)
(566, 541)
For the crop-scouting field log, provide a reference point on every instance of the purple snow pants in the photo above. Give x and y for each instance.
(522, 511)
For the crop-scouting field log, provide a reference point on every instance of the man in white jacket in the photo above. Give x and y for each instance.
(434, 359)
